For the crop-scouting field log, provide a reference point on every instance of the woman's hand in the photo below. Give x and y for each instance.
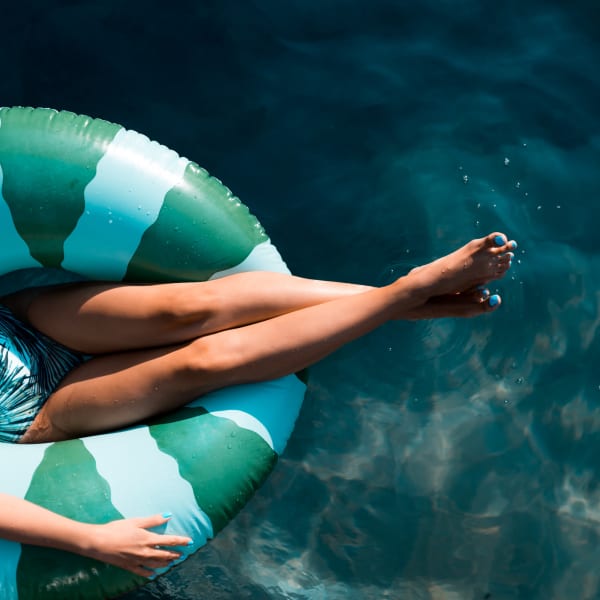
(128, 544)
(125, 543)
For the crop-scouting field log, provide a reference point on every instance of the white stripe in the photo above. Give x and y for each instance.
(145, 481)
(121, 202)
(264, 257)
(270, 409)
(15, 252)
(10, 553)
(26, 278)
(19, 462)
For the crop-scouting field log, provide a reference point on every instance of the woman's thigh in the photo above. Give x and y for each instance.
(98, 318)
(116, 390)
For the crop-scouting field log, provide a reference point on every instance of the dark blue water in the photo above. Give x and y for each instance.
(443, 460)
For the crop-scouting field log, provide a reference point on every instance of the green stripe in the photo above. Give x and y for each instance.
(48, 158)
(224, 463)
(68, 483)
(201, 229)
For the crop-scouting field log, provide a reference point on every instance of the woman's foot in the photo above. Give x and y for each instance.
(478, 262)
(462, 305)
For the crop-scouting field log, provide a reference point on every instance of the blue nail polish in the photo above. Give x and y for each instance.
(495, 299)
(167, 515)
(513, 245)
(190, 543)
(485, 293)
(499, 240)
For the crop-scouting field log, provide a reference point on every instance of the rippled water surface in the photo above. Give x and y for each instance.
(436, 460)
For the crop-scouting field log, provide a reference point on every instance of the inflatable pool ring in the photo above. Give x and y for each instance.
(83, 198)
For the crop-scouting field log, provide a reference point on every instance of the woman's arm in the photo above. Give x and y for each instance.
(125, 543)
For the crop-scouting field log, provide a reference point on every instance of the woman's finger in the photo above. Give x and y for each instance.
(140, 570)
(158, 563)
(151, 521)
(170, 540)
(159, 554)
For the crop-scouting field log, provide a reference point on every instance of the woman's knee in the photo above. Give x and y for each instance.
(183, 305)
(219, 358)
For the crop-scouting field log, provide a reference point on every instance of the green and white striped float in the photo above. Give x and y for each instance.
(82, 198)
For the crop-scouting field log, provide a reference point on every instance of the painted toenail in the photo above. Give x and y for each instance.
(494, 300)
(499, 240)
(513, 244)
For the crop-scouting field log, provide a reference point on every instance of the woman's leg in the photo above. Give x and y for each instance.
(116, 390)
(98, 318)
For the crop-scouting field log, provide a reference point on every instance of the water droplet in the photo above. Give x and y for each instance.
(519, 380)
(465, 179)
(110, 221)
(479, 205)
(558, 206)
(506, 161)
(518, 184)
(539, 207)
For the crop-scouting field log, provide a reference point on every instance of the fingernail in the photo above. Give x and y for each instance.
(495, 299)
(513, 244)
(167, 515)
(499, 240)
(485, 293)
(190, 543)
(510, 255)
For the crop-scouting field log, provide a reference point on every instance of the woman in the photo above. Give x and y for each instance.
(127, 353)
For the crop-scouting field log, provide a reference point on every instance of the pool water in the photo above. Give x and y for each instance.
(437, 460)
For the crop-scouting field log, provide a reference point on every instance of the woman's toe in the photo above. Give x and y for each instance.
(493, 302)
